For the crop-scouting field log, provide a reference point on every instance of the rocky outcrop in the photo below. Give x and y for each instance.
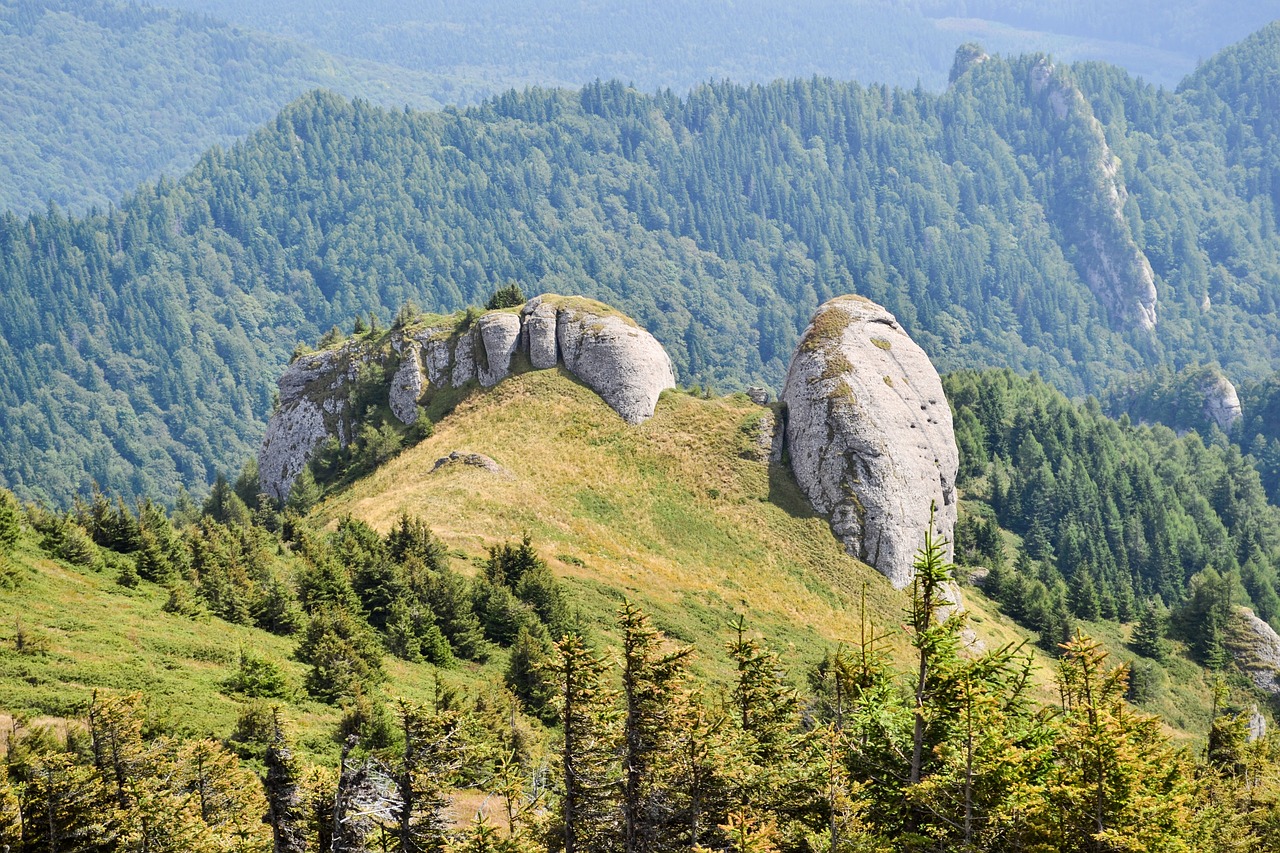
(617, 359)
(499, 334)
(315, 404)
(1258, 653)
(540, 334)
(474, 460)
(869, 434)
(621, 362)
(1221, 402)
(1108, 256)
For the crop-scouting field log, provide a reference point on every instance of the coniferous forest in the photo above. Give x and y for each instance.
(719, 220)
(632, 639)
(948, 748)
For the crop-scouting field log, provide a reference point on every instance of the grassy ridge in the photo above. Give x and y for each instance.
(681, 514)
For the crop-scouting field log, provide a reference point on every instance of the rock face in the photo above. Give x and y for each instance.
(870, 436)
(499, 334)
(1259, 657)
(315, 404)
(1221, 402)
(621, 362)
(1113, 265)
(618, 360)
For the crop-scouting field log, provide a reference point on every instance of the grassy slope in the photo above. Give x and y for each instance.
(673, 514)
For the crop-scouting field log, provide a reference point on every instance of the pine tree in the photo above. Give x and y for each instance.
(589, 756)
(651, 678)
(10, 522)
(284, 797)
(434, 747)
(1148, 633)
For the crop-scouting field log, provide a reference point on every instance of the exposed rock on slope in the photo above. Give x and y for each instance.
(615, 358)
(869, 434)
(1109, 258)
(621, 362)
(1221, 402)
(1258, 652)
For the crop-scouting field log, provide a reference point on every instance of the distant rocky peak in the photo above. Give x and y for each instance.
(1109, 258)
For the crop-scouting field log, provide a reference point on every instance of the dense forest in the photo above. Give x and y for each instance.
(101, 96)
(599, 743)
(1113, 519)
(139, 343)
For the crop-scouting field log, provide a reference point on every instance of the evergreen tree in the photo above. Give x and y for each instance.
(284, 797)
(651, 679)
(1148, 632)
(588, 809)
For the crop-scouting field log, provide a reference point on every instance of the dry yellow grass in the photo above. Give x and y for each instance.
(674, 514)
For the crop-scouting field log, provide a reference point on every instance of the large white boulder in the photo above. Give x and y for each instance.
(869, 434)
(617, 359)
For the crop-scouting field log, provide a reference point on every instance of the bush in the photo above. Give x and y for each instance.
(506, 297)
(344, 655)
(259, 678)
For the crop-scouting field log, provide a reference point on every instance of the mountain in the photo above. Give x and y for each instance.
(668, 44)
(430, 591)
(101, 96)
(1072, 221)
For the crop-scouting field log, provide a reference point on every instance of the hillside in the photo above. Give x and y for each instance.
(101, 96)
(1071, 221)
(680, 516)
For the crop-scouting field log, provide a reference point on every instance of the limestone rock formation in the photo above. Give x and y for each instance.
(315, 404)
(1259, 654)
(540, 333)
(1110, 260)
(475, 460)
(621, 362)
(869, 434)
(1221, 402)
(499, 334)
(617, 359)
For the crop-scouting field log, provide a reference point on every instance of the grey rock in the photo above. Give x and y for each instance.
(499, 335)
(1113, 265)
(436, 346)
(621, 362)
(758, 395)
(314, 405)
(869, 434)
(464, 358)
(540, 333)
(1257, 724)
(475, 460)
(1221, 402)
(1259, 654)
(407, 385)
(292, 436)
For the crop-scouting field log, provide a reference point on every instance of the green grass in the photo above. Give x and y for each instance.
(676, 514)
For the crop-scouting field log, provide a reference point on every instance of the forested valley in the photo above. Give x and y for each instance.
(140, 342)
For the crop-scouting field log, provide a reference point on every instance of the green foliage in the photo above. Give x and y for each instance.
(10, 522)
(756, 200)
(343, 654)
(259, 678)
(1110, 514)
(510, 296)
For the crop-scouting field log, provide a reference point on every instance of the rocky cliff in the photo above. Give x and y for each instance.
(869, 434)
(602, 348)
(1093, 219)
